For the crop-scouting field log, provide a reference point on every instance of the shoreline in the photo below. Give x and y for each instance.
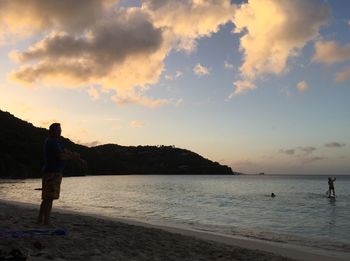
(251, 249)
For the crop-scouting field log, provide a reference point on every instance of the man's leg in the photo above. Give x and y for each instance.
(50, 191)
(41, 213)
(47, 211)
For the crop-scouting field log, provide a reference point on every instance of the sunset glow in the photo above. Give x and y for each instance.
(259, 85)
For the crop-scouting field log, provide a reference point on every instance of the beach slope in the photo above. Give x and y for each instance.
(91, 238)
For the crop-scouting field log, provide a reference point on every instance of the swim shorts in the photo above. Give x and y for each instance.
(51, 185)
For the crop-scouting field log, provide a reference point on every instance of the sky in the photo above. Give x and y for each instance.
(258, 85)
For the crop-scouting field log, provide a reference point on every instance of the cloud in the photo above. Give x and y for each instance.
(334, 145)
(309, 160)
(286, 92)
(120, 49)
(99, 56)
(180, 102)
(330, 52)
(343, 75)
(201, 70)
(307, 149)
(123, 49)
(303, 154)
(288, 151)
(243, 164)
(242, 86)
(184, 21)
(302, 86)
(111, 119)
(228, 66)
(136, 124)
(178, 74)
(25, 17)
(170, 77)
(91, 144)
(135, 98)
(300, 151)
(268, 43)
(93, 93)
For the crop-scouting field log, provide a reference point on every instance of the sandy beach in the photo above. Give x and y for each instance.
(94, 238)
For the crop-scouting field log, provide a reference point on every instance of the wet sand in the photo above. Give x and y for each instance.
(97, 238)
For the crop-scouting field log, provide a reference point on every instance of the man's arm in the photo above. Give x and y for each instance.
(70, 155)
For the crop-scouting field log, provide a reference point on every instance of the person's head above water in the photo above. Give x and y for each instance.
(55, 130)
(329, 178)
(273, 195)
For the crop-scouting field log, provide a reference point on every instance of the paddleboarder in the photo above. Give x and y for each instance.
(331, 186)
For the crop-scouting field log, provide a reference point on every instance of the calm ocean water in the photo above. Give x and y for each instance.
(234, 205)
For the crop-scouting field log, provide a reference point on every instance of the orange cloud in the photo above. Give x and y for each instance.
(302, 86)
(343, 75)
(135, 98)
(111, 50)
(187, 20)
(93, 93)
(241, 87)
(273, 31)
(201, 70)
(136, 124)
(123, 51)
(119, 49)
(330, 52)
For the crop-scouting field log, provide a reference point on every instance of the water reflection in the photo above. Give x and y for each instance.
(221, 203)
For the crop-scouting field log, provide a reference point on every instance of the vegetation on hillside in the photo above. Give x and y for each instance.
(21, 155)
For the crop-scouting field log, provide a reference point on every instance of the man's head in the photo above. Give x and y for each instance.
(55, 130)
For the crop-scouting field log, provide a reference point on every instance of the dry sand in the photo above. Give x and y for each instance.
(93, 238)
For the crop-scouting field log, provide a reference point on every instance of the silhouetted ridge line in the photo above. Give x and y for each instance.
(21, 155)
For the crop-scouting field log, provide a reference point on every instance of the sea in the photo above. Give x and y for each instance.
(234, 205)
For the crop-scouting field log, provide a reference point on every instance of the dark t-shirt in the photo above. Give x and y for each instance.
(331, 183)
(53, 147)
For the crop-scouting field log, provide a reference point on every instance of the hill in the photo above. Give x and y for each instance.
(21, 155)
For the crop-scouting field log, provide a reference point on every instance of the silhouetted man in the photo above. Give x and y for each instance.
(55, 161)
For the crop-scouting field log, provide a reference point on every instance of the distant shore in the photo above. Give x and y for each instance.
(97, 238)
